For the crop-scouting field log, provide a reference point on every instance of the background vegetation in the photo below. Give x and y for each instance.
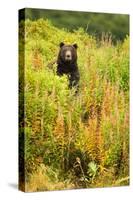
(73, 141)
(94, 23)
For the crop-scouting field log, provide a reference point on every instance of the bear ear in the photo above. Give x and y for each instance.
(75, 46)
(62, 44)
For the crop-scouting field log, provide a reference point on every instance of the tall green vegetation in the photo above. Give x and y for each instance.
(74, 141)
(94, 23)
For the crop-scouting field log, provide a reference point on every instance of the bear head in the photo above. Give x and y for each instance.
(67, 53)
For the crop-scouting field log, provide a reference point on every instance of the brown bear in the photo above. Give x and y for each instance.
(67, 64)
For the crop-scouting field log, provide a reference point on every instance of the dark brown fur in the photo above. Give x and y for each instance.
(68, 67)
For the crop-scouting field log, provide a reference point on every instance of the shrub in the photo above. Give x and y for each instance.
(62, 129)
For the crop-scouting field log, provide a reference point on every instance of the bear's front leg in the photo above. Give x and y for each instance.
(59, 71)
(74, 80)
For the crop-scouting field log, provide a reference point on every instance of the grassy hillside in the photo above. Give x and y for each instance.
(93, 23)
(73, 141)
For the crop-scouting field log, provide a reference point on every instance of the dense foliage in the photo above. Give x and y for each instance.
(94, 23)
(73, 141)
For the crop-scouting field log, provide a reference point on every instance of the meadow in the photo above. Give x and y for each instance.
(69, 141)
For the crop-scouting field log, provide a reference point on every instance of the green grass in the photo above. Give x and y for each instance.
(74, 141)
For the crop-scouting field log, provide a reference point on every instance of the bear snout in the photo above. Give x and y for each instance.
(68, 55)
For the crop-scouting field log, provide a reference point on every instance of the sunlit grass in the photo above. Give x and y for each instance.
(61, 128)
